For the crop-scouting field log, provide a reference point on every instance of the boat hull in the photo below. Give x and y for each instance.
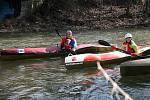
(52, 51)
(89, 60)
(93, 64)
(30, 56)
(135, 67)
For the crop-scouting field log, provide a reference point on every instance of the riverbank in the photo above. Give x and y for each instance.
(79, 19)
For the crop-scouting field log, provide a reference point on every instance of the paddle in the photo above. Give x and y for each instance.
(105, 43)
(58, 33)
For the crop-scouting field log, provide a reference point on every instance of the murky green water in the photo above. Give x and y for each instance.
(48, 79)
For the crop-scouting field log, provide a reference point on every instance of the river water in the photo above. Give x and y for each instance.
(48, 79)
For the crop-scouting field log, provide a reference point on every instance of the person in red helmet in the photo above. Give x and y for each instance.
(68, 43)
(129, 45)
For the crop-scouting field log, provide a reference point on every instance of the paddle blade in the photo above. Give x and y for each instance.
(102, 42)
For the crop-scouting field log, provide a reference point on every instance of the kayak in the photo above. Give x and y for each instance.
(51, 51)
(112, 57)
(135, 67)
(89, 59)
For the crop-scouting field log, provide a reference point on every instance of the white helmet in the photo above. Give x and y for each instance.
(69, 32)
(128, 35)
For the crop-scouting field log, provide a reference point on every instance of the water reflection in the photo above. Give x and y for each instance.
(91, 86)
(49, 80)
(29, 79)
(137, 86)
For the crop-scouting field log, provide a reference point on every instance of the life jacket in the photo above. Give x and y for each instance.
(130, 47)
(64, 44)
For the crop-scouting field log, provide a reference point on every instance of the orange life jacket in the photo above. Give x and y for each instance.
(64, 43)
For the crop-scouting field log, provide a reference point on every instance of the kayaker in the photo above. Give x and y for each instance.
(68, 43)
(130, 46)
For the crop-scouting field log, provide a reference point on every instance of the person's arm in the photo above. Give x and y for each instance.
(135, 48)
(62, 43)
(73, 44)
(68, 42)
(124, 46)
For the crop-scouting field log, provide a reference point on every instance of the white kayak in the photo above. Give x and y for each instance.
(113, 57)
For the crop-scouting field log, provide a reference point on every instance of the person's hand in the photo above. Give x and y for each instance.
(114, 47)
(68, 41)
(133, 54)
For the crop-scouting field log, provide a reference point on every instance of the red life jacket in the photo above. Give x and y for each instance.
(129, 47)
(64, 43)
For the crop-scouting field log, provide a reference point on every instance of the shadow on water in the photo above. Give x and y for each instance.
(137, 86)
(140, 79)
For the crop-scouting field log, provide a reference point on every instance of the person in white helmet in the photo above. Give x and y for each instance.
(130, 45)
(68, 43)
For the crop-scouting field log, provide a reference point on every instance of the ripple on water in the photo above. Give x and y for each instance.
(91, 86)
(32, 93)
(48, 79)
